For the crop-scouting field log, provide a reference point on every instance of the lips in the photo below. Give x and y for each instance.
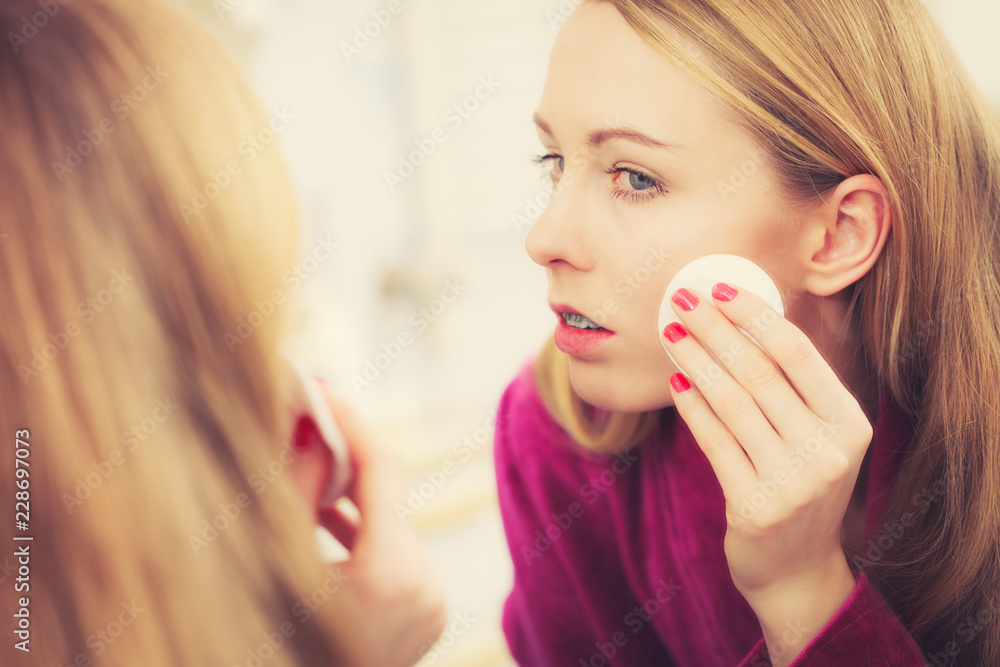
(578, 342)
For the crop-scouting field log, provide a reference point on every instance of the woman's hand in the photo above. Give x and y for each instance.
(786, 452)
(392, 601)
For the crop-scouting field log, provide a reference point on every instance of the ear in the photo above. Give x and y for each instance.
(845, 234)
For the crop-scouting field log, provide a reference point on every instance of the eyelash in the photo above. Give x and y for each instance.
(543, 160)
(634, 196)
(631, 196)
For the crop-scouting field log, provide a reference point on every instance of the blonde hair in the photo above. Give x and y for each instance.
(837, 88)
(123, 269)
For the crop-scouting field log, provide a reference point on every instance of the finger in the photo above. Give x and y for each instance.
(378, 485)
(313, 461)
(732, 404)
(342, 527)
(806, 369)
(728, 459)
(751, 368)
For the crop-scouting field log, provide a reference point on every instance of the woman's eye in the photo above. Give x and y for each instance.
(635, 185)
(554, 161)
(640, 181)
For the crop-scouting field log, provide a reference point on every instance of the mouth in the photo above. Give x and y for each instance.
(578, 335)
(578, 321)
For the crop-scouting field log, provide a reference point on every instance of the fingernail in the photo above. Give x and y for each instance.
(305, 433)
(685, 299)
(679, 383)
(674, 332)
(724, 292)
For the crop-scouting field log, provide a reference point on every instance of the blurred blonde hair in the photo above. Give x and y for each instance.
(832, 89)
(116, 299)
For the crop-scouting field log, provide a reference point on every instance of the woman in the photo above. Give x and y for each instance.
(144, 216)
(842, 511)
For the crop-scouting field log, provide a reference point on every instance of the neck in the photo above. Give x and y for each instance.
(825, 321)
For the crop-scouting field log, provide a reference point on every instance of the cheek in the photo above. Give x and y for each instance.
(638, 290)
(644, 353)
(774, 234)
(776, 248)
(646, 259)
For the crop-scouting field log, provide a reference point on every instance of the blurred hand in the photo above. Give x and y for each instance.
(392, 601)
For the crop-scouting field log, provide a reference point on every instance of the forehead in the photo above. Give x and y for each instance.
(602, 73)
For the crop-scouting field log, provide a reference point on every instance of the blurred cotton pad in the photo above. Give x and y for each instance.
(701, 275)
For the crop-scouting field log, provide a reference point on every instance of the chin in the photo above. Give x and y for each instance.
(620, 390)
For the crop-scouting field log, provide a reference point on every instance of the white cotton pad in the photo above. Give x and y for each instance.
(701, 275)
(307, 397)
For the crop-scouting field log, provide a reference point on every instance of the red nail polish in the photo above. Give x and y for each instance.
(674, 332)
(305, 433)
(724, 292)
(685, 299)
(679, 383)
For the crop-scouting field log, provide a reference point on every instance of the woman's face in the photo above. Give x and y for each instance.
(648, 176)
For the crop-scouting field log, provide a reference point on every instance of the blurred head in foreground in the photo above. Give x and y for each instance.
(142, 214)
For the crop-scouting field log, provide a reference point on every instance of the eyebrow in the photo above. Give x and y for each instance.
(598, 137)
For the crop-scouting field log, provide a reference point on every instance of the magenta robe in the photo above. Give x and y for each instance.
(619, 560)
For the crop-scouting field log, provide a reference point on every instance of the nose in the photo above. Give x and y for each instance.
(561, 237)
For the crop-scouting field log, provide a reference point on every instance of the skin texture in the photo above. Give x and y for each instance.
(598, 240)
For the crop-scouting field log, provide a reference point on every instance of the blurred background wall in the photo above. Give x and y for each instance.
(410, 143)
